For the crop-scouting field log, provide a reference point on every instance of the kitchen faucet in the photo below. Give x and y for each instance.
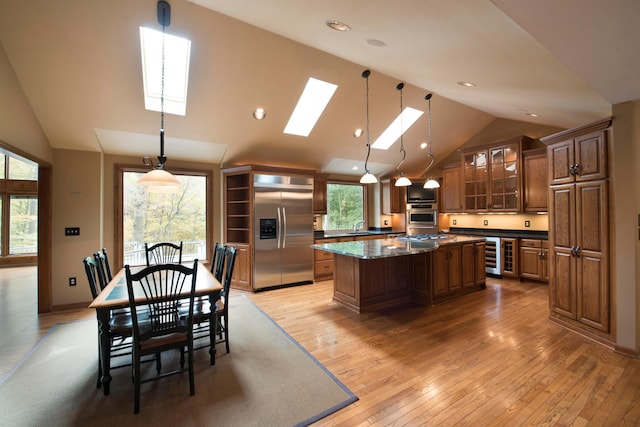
(357, 225)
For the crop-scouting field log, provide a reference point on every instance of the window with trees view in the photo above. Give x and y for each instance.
(164, 217)
(345, 206)
(18, 207)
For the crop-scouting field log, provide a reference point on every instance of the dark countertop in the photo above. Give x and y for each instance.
(494, 232)
(383, 248)
(321, 234)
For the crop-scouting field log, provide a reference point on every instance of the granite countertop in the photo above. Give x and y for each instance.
(320, 234)
(383, 248)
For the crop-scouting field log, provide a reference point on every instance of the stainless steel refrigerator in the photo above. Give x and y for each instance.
(283, 230)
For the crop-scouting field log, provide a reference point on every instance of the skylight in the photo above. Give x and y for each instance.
(314, 100)
(408, 117)
(176, 70)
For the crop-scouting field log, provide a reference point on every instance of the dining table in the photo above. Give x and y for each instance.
(115, 296)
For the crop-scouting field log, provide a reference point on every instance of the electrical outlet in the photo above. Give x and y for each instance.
(72, 231)
(72, 281)
(527, 223)
(455, 222)
(386, 222)
(486, 222)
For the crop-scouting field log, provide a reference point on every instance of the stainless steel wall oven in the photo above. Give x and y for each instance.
(422, 218)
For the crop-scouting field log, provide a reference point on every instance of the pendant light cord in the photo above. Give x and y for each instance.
(366, 74)
(402, 150)
(428, 98)
(161, 158)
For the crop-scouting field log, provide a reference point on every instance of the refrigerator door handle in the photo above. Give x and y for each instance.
(279, 227)
(284, 230)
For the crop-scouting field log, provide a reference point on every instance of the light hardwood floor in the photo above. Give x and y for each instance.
(485, 359)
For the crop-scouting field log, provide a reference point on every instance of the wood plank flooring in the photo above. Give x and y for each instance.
(486, 359)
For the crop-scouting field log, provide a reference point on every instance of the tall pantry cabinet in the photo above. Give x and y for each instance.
(580, 292)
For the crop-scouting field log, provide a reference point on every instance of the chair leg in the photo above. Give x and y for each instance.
(191, 376)
(226, 332)
(158, 363)
(136, 381)
(182, 358)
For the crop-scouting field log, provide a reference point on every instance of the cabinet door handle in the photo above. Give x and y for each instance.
(573, 251)
(578, 251)
(572, 170)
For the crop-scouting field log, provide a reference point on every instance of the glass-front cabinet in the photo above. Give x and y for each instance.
(492, 177)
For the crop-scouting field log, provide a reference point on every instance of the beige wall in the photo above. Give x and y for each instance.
(537, 222)
(625, 241)
(19, 127)
(76, 203)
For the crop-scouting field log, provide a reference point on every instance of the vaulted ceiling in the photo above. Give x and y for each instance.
(78, 63)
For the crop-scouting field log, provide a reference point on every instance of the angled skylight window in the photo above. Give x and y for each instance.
(176, 70)
(391, 134)
(314, 100)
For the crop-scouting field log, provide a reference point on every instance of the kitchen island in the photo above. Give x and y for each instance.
(375, 275)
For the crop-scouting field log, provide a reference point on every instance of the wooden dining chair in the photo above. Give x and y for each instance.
(163, 253)
(120, 323)
(161, 287)
(217, 261)
(103, 262)
(202, 308)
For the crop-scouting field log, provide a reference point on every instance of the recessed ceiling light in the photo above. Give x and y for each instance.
(355, 168)
(357, 133)
(338, 26)
(423, 145)
(376, 43)
(532, 114)
(467, 84)
(259, 114)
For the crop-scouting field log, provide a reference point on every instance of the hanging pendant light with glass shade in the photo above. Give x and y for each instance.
(402, 180)
(368, 177)
(430, 183)
(158, 179)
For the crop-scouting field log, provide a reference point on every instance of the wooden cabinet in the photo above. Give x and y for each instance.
(241, 278)
(322, 263)
(451, 189)
(447, 269)
(492, 179)
(393, 198)
(239, 208)
(533, 259)
(457, 268)
(579, 285)
(535, 175)
(320, 194)
(509, 257)
(583, 158)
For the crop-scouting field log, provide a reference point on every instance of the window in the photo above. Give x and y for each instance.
(149, 217)
(19, 209)
(345, 206)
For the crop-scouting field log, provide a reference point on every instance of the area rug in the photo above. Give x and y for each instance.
(267, 379)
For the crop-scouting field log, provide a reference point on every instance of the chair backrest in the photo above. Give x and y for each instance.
(163, 253)
(94, 276)
(230, 258)
(217, 262)
(161, 286)
(102, 263)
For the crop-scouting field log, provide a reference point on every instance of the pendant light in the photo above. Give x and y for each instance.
(368, 177)
(402, 180)
(158, 179)
(430, 183)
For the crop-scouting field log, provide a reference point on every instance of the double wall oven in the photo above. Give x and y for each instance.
(422, 218)
(422, 210)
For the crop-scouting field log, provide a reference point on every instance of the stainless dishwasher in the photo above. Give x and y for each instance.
(492, 260)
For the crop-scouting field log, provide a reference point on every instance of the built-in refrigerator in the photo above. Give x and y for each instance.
(283, 230)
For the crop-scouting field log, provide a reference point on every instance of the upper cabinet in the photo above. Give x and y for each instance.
(492, 178)
(451, 189)
(535, 175)
(583, 158)
(320, 194)
(392, 197)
